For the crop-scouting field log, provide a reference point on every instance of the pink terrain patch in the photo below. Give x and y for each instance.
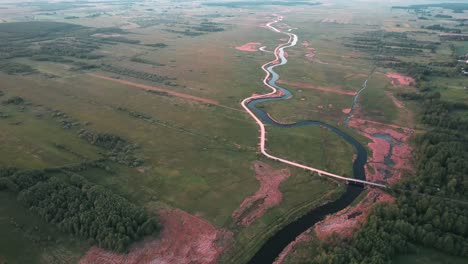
(389, 159)
(286, 54)
(305, 43)
(346, 110)
(185, 239)
(346, 221)
(266, 197)
(250, 47)
(400, 80)
(310, 55)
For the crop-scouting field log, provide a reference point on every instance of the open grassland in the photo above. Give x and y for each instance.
(315, 146)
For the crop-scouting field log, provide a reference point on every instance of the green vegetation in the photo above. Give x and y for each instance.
(16, 68)
(119, 150)
(157, 45)
(456, 7)
(138, 74)
(209, 27)
(428, 256)
(430, 210)
(145, 61)
(140, 149)
(79, 207)
(443, 29)
(238, 4)
(29, 239)
(431, 207)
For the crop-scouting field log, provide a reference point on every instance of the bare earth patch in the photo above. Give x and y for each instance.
(400, 80)
(250, 47)
(391, 153)
(185, 239)
(346, 221)
(266, 197)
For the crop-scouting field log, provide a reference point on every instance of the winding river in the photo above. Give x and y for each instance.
(276, 244)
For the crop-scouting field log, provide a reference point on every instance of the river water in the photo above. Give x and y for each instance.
(276, 244)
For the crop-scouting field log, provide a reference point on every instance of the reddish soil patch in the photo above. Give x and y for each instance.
(286, 54)
(346, 221)
(310, 56)
(304, 237)
(157, 89)
(400, 80)
(185, 239)
(266, 197)
(305, 43)
(325, 89)
(346, 110)
(250, 47)
(380, 149)
(378, 169)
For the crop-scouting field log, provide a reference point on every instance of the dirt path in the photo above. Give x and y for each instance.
(325, 89)
(157, 89)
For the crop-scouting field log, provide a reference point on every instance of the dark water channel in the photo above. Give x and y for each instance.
(275, 245)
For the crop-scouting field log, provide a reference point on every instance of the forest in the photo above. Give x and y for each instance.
(79, 207)
(431, 209)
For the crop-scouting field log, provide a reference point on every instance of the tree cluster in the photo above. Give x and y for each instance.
(118, 149)
(137, 74)
(80, 208)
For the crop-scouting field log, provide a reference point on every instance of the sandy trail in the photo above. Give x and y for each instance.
(308, 86)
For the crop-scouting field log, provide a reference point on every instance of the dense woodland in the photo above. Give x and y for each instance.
(79, 207)
(431, 209)
(432, 206)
